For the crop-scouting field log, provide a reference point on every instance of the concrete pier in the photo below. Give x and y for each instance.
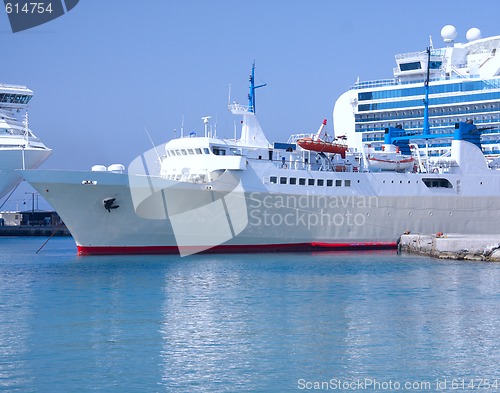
(27, 230)
(452, 246)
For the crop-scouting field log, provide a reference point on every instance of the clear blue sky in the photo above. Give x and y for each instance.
(109, 68)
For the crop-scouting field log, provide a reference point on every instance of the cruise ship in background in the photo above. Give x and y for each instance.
(464, 83)
(19, 147)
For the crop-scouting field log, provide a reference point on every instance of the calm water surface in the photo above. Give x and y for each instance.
(228, 323)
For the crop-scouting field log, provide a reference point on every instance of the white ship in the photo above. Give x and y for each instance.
(203, 193)
(464, 83)
(19, 147)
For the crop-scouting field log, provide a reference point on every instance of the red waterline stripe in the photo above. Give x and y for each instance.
(229, 248)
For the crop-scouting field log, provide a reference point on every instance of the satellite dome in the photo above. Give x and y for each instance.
(448, 33)
(473, 34)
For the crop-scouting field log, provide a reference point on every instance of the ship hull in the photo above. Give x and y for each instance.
(238, 214)
(235, 249)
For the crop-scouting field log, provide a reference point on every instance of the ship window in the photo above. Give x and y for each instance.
(197, 150)
(218, 151)
(283, 180)
(320, 182)
(206, 151)
(183, 152)
(435, 65)
(410, 66)
(190, 152)
(329, 183)
(302, 182)
(178, 152)
(293, 180)
(347, 183)
(273, 179)
(338, 183)
(310, 182)
(365, 96)
(437, 183)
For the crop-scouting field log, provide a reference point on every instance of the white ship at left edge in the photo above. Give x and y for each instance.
(19, 147)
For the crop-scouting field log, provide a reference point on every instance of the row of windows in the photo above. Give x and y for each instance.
(438, 126)
(15, 131)
(434, 101)
(185, 152)
(490, 141)
(443, 111)
(444, 183)
(417, 65)
(15, 98)
(431, 183)
(192, 177)
(310, 182)
(434, 89)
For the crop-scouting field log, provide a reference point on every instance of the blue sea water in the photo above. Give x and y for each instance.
(249, 323)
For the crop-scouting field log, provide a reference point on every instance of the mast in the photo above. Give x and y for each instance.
(426, 99)
(251, 132)
(426, 109)
(26, 138)
(251, 94)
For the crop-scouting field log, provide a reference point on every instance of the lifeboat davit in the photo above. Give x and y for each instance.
(322, 146)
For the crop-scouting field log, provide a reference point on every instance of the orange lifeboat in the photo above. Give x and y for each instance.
(316, 144)
(322, 146)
